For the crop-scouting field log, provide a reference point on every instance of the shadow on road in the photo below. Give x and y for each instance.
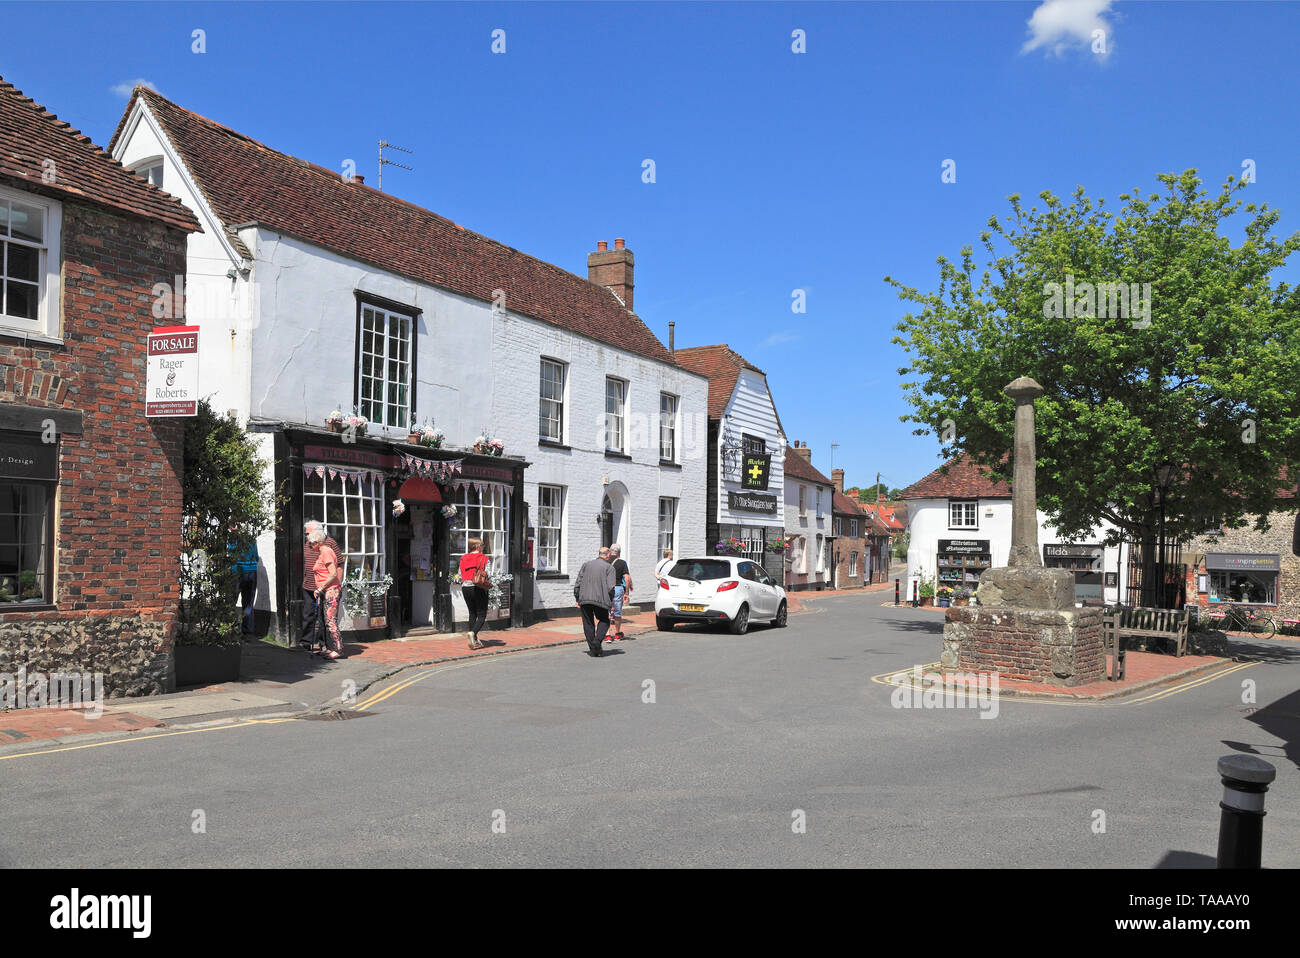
(1279, 653)
(1176, 859)
(1281, 720)
(909, 624)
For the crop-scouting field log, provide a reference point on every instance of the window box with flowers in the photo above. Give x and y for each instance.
(338, 422)
(485, 445)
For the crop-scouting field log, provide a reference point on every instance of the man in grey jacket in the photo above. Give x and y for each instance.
(594, 591)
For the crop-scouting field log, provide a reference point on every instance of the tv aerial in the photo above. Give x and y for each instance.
(383, 162)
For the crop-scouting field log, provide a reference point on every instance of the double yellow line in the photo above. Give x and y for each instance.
(234, 723)
(1194, 682)
(421, 676)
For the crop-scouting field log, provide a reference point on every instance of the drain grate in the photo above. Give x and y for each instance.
(334, 715)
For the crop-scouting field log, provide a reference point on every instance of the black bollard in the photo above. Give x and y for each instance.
(1241, 824)
(916, 598)
(895, 592)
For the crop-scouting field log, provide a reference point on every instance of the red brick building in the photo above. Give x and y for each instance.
(90, 490)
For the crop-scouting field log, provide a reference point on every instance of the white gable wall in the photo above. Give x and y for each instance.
(752, 412)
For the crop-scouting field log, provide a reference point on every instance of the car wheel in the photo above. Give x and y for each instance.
(779, 621)
(662, 624)
(741, 622)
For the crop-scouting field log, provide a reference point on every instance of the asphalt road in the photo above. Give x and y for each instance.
(552, 758)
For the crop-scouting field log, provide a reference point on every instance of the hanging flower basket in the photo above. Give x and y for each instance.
(779, 547)
(399, 508)
(729, 547)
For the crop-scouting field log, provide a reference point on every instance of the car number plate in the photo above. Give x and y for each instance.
(691, 608)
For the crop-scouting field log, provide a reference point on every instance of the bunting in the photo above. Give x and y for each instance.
(358, 477)
(438, 469)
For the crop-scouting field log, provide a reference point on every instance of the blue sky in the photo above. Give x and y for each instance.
(775, 171)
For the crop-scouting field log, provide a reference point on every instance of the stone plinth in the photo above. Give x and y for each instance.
(1054, 646)
(1027, 587)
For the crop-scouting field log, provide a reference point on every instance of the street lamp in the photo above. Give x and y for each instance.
(1163, 474)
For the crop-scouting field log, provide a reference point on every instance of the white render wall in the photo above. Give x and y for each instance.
(475, 371)
(807, 525)
(635, 486)
(928, 523)
(751, 411)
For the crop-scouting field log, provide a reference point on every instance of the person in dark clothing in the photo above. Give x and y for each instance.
(594, 592)
(476, 597)
(310, 553)
(622, 590)
(246, 566)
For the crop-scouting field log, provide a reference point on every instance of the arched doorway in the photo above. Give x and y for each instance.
(606, 522)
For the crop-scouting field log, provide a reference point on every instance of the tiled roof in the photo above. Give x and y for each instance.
(31, 135)
(722, 365)
(959, 478)
(843, 504)
(245, 181)
(796, 467)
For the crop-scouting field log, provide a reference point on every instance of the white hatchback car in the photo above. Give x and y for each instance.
(718, 589)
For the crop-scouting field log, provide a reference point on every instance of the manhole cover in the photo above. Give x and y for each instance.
(334, 715)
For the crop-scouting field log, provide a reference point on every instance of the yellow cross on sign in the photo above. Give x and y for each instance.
(755, 470)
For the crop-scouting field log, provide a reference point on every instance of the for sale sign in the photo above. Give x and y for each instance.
(172, 382)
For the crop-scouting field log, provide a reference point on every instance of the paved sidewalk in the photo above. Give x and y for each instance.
(1143, 670)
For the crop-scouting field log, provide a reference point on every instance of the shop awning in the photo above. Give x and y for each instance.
(419, 489)
(1244, 561)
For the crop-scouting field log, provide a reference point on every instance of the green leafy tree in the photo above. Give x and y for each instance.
(901, 542)
(225, 507)
(1196, 370)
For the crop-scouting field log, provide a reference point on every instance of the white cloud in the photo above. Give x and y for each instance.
(1058, 25)
(777, 339)
(124, 89)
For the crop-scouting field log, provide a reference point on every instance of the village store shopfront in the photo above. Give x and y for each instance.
(448, 498)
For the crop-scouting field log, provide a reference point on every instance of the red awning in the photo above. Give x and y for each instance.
(419, 489)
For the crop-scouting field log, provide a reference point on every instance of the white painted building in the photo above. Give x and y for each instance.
(809, 501)
(746, 478)
(315, 293)
(959, 524)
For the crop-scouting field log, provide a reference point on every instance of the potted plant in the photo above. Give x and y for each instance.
(431, 437)
(779, 546)
(335, 421)
(729, 547)
(927, 592)
(943, 596)
(414, 433)
(485, 445)
(225, 506)
(961, 597)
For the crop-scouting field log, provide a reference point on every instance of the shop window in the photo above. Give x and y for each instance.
(486, 516)
(550, 525)
(26, 525)
(1248, 588)
(352, 508)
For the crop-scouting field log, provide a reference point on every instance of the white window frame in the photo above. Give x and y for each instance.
(47, 268)
(360, 548)
(543, 413)
(493, 504)
(151, 169)
(853, 563)
(969, 510)
(803, 506)
(819, 502)
(616, 420)
(668, 535)
(837, 524)
(668, 427)
(554, 509)
(821, 554)
(366, 405)
(853, 528)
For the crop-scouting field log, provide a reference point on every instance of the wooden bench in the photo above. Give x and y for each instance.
(1145, 623)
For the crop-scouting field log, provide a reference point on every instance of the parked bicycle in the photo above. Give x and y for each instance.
(1236, 618)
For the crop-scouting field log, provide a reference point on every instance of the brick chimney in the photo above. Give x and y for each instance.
(804, 452)
(837, 479)
(358, 179)
(612, 268)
